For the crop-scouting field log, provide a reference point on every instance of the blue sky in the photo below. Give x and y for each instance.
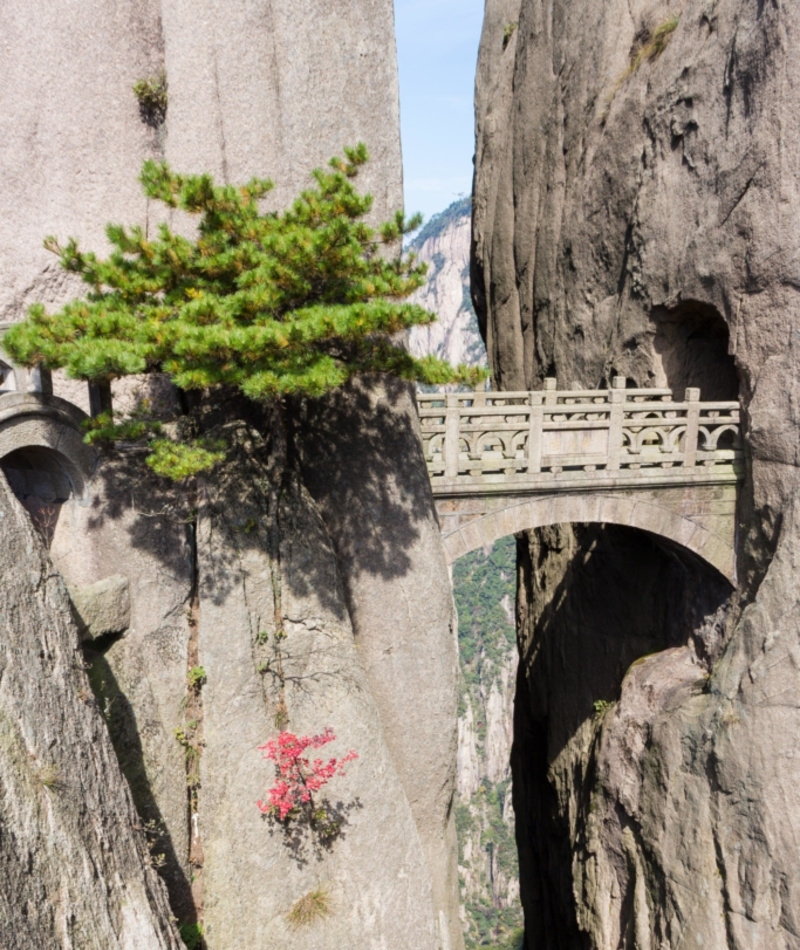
(437, 47)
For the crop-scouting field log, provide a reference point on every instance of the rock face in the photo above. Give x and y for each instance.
(74, 863)
(635, 197)
(340, 553)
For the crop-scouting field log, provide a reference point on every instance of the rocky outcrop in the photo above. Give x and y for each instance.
(74, 860)
(352, 571)
(635, 199)
(443, 244)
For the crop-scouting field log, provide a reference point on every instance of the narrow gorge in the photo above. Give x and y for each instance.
(571, 737)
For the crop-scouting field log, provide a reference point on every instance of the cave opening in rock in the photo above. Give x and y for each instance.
(42, 480)
(618, 632)
(691, 348)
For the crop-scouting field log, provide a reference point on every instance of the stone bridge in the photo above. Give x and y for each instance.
(510, 461)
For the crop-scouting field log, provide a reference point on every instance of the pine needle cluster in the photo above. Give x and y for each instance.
(268, 304)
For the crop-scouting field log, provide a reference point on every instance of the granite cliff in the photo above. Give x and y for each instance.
(305, 579)
(636, 196)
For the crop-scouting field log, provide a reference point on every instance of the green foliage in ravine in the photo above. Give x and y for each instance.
(484, 586)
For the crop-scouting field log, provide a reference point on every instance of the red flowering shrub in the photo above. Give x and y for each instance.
(299, 777)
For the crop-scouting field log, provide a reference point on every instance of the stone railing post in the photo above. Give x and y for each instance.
(692, 397)
(452, 417)
(39, 380)
(616, 416)
(535, 427)
(478, 398)
(550, 398)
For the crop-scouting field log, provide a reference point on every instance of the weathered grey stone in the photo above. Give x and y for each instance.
(135, 526)
(74, 864)
(362, 462)
(103, 607)
(635, 214)
(266, 566)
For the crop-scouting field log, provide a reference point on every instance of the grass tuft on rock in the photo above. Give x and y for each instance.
(655, 45)
(310, 908)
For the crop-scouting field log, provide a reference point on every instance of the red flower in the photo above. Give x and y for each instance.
(298, 777)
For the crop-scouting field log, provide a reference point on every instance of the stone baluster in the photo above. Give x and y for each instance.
(692, 398)
(452, 417)
(535, 427)
(39, 380)
(550, 394)
(616, 418)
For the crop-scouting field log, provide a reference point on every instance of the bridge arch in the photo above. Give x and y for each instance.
(543, 510)
(41, 441)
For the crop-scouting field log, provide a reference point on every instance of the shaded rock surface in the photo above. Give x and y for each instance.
(74, 864)
(635, 201)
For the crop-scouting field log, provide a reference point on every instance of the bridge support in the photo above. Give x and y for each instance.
(34, 422)
(700, 518)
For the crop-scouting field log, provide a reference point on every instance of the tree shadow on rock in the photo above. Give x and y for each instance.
(361, 459)
(356, 451)
(314, 835)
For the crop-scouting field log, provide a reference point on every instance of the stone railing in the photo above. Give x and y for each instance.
(553, 435)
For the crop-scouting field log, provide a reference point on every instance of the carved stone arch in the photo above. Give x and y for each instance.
(594, 507)
(44, 434)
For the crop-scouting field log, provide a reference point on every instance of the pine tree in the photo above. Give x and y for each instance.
(264, 304)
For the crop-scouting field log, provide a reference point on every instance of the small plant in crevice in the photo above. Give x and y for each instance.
(196, 678)
(49, 777)
(299, 778)
(601, 707)
(653, 44)
(293, 802)
(154, 833)
(310, 908)
(191, 935)
(508, 31)
(192, 744)
(151, 94)
(44, 518)
(649, 44)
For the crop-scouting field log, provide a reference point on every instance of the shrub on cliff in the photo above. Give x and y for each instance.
(262, 304)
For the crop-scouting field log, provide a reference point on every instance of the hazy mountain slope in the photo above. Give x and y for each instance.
(484, 589)
(444, 246)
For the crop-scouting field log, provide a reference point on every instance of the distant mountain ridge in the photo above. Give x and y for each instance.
(443, 244)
